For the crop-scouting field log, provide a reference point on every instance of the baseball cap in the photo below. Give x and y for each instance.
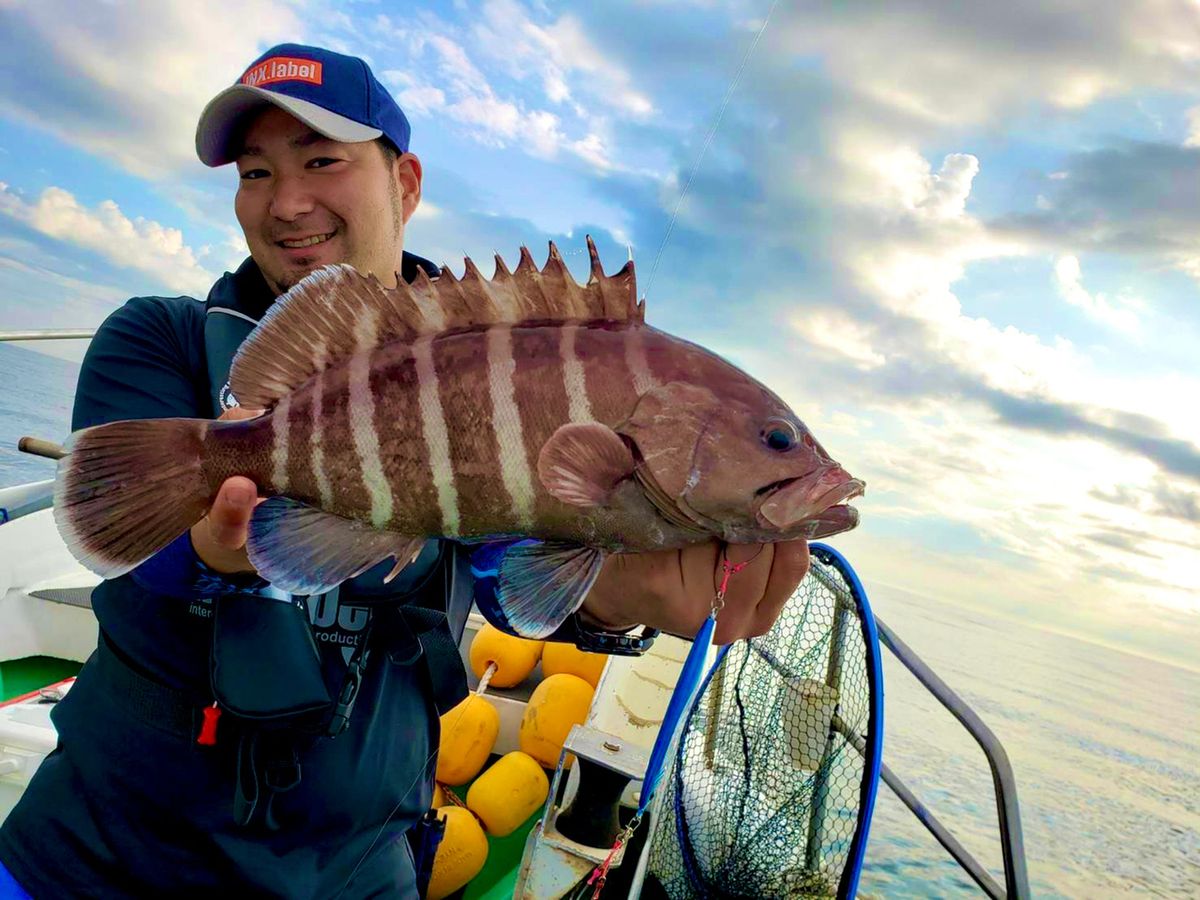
(335, 95)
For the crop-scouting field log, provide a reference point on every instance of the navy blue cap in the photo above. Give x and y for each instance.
(335, 95)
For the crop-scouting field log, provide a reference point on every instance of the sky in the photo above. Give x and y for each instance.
(961, 240)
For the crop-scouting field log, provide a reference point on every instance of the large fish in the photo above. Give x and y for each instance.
(468, 409)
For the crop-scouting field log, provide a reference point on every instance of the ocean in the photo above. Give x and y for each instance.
(1105, 745)
(36, 402)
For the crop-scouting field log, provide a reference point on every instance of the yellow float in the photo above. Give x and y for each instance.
(468, 733)
(556, 704)
(461, 854)
(513, 657)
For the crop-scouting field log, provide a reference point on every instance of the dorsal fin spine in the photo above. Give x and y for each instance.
(525, 263)
(331, 313)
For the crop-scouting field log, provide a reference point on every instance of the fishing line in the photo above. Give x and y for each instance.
(707, 141)
(395, 809)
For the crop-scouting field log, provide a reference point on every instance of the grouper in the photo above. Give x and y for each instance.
(472, 409)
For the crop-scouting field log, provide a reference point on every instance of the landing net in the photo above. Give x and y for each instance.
(773, 782)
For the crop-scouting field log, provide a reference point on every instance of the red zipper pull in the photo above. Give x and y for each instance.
(208, 730)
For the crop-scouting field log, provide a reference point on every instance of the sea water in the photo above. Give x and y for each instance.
(36, 392)
(1105, 745)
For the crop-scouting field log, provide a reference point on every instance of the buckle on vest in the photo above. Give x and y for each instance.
(345, 703)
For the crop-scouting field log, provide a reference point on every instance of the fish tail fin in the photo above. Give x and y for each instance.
(125, 490)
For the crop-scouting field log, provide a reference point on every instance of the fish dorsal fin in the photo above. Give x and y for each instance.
(337, 311)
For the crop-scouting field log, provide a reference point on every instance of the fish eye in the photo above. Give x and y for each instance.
(780, 435)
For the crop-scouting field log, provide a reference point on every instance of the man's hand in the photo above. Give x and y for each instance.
(672, 590)
(219, 539)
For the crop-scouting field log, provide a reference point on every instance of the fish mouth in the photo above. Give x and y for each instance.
(834, 520)
(815, 501)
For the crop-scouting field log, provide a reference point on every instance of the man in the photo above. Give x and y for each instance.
(161, 783)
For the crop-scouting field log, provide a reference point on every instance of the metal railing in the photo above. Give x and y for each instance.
(1012, 843)
(48, 334)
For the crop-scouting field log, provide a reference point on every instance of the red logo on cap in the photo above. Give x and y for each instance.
(283, 68)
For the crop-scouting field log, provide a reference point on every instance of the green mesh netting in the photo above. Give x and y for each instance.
(764, 796)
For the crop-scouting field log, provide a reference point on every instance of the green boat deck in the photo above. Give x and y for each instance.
(20, 676)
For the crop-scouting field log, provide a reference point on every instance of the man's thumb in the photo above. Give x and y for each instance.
(231, 511)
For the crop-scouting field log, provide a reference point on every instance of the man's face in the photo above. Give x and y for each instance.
(305, 201)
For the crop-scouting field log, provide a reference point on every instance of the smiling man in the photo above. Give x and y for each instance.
(305, 201)
(225, 737)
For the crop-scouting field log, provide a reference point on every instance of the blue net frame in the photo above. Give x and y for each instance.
(774, 778)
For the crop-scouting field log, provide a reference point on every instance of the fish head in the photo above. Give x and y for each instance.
(737, 461)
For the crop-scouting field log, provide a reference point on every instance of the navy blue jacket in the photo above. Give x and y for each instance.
(121, 808)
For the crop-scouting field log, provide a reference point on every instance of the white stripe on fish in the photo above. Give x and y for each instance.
(573, 378)
(324, 488)
(506, 423)
(437, 439)
(639, 365)
(362, 424)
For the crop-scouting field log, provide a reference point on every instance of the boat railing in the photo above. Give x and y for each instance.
(1012, 843)
(49, 334)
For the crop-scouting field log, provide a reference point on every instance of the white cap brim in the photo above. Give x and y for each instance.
(220, 121)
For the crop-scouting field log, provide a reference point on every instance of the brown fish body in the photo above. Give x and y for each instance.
(469, 409)
(502, 393)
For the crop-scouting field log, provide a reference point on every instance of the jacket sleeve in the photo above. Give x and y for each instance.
(145, 362)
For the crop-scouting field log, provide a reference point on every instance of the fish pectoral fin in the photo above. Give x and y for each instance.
(540, 585)
(304, 550)
(583, 462)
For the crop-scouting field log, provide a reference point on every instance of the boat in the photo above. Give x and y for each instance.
(47, 630)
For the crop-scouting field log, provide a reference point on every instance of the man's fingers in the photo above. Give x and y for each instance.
(745, 588)
(230, 514)
(239, 412)
(674, 589)
(788, 568)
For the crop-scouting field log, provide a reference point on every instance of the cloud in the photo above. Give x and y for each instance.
(454, 87)
(138, 243)
(943, 63)
(127, 81)
(1134, 198)
(1069, 278)
(557, 53)
(1171, 455)
(1162, 498)
(841, 335)
(1177, 502)
(1121, 541)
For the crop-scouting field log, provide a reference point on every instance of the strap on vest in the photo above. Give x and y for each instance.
(145, 699)
(428, 618)
(224, 331)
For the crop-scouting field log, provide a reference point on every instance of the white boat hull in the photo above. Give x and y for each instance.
(44, 605)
